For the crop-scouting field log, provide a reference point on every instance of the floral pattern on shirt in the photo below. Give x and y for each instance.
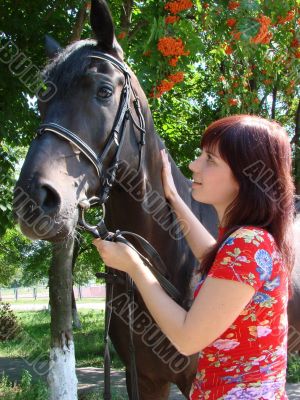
(248, 361)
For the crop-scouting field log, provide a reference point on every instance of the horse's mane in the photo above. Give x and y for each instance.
(69, 64)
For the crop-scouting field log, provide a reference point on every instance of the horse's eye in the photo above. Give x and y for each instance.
(104, 92)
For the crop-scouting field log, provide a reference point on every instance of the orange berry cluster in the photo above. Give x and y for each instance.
(176, 78)
(176, 7)
(267, 81)
(122, 35)
(231, 22)
(172, 47)
(233, 102)
(167, 84)
(263, 36)
(295, 44)
(291, 87)
(232, 5)
(171, 19)
(228, 49)
(289, 17)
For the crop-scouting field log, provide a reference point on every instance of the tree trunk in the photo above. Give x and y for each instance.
(126, 14)
(62, 378)
(273, 113)
(75, 316)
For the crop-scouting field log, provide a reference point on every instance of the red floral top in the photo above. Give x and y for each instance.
(248, 361)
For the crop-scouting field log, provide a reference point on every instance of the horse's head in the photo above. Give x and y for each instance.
(84, 120)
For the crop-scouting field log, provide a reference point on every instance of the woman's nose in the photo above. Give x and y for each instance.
(193, 165)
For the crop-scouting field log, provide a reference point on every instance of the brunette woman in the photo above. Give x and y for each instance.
(238, 321)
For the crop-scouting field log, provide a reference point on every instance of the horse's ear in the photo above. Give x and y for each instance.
(52, 47)
(102, 24)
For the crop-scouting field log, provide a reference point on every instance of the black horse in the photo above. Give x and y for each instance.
(92, 85)
(57, 177)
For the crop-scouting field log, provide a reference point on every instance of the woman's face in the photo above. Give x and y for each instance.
(214, 182)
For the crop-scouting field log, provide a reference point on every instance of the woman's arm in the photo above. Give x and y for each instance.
(218, 304)
(197, 236)
(216, 307)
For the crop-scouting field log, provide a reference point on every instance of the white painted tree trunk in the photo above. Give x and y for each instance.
(62, 379)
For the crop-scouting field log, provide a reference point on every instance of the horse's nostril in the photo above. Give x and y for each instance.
(49, 199)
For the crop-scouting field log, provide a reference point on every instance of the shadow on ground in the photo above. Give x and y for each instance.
(91, 379)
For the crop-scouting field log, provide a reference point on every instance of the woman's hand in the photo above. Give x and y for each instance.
(167, 178)
(118, 255)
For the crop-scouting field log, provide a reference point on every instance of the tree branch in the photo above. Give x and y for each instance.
(296, 142)
(296, 138)
(262, 101)
(273, 112)
(126, 14)
(81, 18)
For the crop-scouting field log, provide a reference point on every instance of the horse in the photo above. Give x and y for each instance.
(58, 177)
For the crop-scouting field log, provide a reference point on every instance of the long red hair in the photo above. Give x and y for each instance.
(258, 152)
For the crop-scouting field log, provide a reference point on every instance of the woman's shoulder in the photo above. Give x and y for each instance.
(252, 235)
(253, 231)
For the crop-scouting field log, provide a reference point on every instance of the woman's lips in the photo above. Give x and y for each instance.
(196, 183)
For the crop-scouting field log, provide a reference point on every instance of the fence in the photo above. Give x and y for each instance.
(42, 292)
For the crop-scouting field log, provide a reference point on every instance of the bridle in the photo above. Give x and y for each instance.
(116, 138)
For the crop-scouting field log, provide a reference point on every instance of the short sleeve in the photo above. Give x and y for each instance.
(245, 256)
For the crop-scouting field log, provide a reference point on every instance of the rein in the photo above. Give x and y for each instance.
(116, 139)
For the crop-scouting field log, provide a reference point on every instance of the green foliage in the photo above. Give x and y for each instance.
(7, 161)
(26, 390)
(293, 371)
(26, 263)
(9, 326)
(22, 262)
(88, 262)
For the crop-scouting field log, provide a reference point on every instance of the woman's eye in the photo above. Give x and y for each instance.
(104, 92)
(209, 157)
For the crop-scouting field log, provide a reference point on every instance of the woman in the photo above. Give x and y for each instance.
(238, 321)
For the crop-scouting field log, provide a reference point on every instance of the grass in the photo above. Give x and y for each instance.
(26, 390)
(293, 370)
(34, 339)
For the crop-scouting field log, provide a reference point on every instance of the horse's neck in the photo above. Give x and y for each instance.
(138, 202)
